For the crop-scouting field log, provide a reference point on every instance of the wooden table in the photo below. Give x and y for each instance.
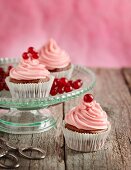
(112, 90)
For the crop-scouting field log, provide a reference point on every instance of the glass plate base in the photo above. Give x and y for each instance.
(26, 122)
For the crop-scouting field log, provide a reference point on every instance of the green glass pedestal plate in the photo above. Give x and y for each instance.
(27, 116)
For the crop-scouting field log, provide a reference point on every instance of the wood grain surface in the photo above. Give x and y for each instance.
(112, 91)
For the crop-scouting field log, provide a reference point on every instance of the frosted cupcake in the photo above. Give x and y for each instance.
(29, 79)
(86, 126)
(57, 61)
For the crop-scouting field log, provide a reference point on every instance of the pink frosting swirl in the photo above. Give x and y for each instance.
(88, 116)
(29, 69)
(52, 56)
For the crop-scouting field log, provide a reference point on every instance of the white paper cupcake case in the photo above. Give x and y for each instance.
(30, 90)
(66, 73)
(85, 142)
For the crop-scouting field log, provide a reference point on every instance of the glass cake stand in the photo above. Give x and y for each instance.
(26, 116)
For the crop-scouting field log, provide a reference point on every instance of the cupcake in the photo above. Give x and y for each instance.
(29, 79)
(57, 61)
(86, 126)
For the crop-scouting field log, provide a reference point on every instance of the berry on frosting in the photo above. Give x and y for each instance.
(35, 55)
(88, 98)
(25, 56)
(31, 50)
(31, 53)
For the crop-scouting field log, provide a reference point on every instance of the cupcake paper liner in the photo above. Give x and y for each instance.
(66, 73)
(85, 142)
(30, 90)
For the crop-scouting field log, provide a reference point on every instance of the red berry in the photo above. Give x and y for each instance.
(88, 98)
(68, 88)
(35, 55)
(1, 86)
(55, 83)
(60, 90)
(1, 79)
(31, 50)
(60, 85)
(53, 86)
(6, 87)
(80, 81)
(77, 84)
(71, 83)
(9, 68)
(2, 71)
(25, 56)
(7, 74)
(63, 81)
(53, 92)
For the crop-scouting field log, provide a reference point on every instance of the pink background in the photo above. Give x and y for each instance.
(94, 32)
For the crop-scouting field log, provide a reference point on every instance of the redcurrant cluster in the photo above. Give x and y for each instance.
(64, 85)
(3, 75)
(30, 53)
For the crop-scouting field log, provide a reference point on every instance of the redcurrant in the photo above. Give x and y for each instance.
(25, 55)
(88, 98)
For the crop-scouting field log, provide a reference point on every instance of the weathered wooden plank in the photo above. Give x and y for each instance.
(113, 94)
(46, 140)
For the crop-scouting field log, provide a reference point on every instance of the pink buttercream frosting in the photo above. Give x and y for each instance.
(29, 69)
(87, 116)
(52, 56)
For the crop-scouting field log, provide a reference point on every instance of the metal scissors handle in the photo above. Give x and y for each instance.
(13, 158)
(29, 148)
(7, 148)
